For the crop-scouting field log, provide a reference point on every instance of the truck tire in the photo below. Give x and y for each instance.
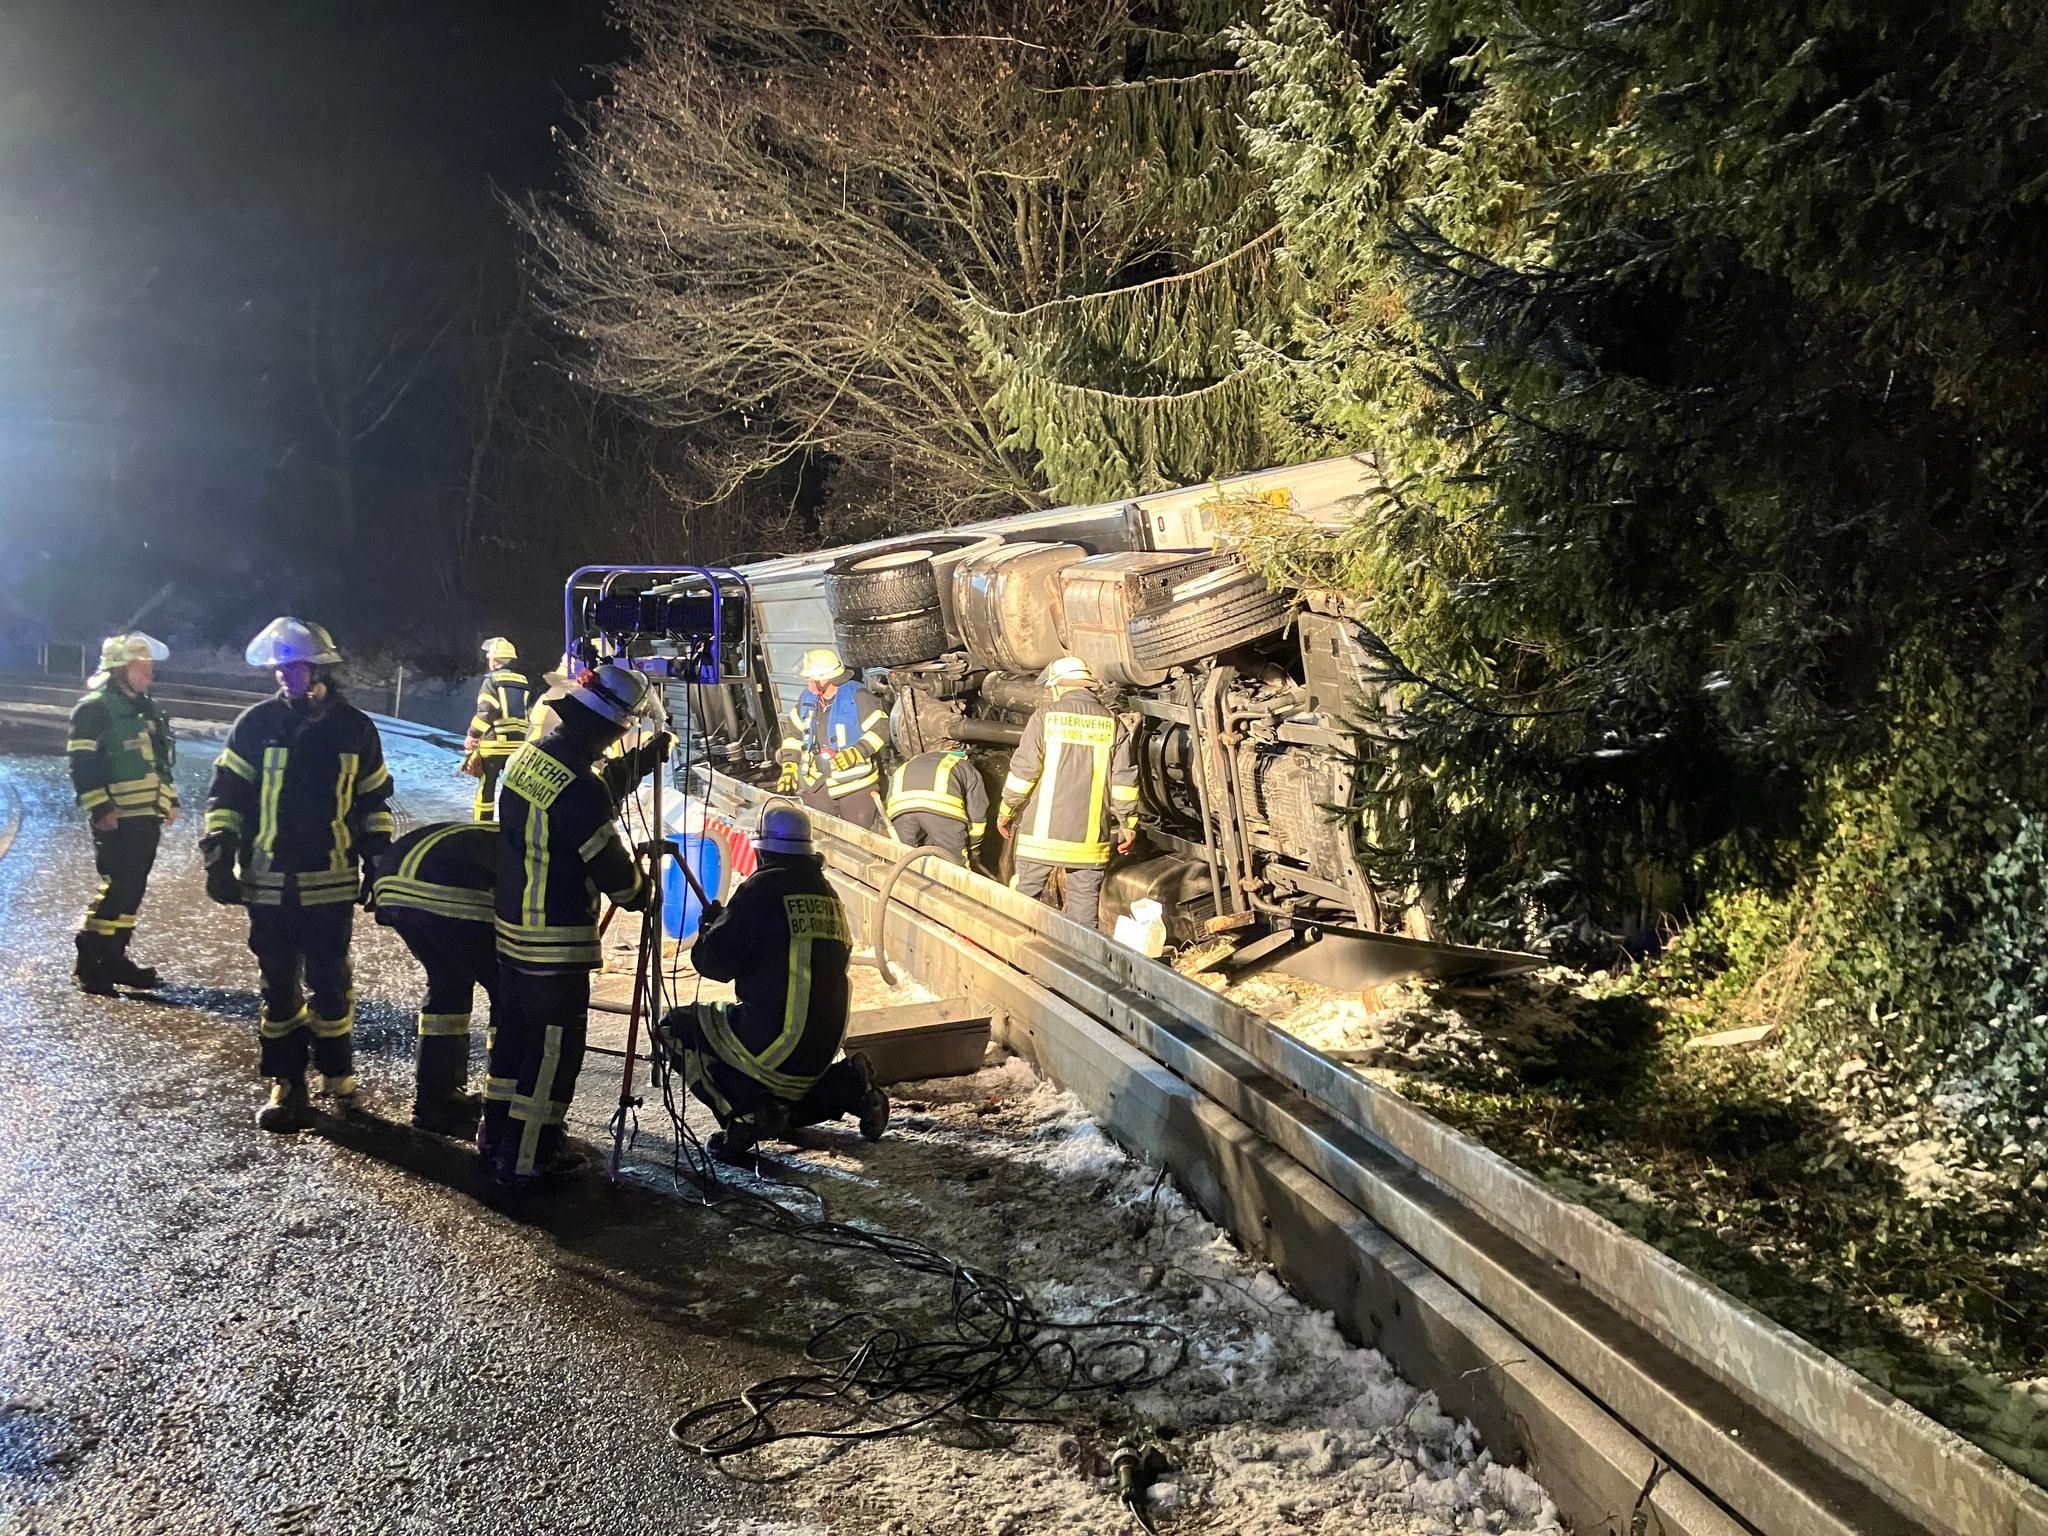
(898, 641)
(891, 581)
(1207, 625)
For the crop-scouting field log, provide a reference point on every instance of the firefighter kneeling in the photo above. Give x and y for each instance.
(764, 1064)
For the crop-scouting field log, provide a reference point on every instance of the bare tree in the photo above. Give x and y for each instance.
(781, 211)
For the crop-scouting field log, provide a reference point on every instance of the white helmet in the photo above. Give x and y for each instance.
(498, 648)
(785, 828)
(288, 640)
(616, 693)
(119, 650)
(1067, 670)
(821, 666)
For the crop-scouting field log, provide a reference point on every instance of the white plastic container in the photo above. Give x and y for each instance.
(1143, 929)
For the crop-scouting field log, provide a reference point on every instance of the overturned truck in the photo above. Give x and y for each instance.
(1244, 702)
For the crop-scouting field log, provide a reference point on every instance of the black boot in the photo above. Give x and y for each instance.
(92, 966)
(290, 1107)
(874, 1103)
(123, 972)
(447, 1114)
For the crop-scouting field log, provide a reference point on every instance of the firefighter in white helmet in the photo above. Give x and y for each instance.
(764, 1063)
(300, 799)
(121, 760)
(832, 742)
(499, 726)
(559, 848)
(1073, 777)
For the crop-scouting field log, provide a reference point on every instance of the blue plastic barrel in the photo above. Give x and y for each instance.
(680, 909)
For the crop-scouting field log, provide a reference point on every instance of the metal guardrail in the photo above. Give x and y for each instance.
(1781, 1434)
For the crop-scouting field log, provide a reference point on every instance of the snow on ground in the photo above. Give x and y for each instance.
(1274, 1424)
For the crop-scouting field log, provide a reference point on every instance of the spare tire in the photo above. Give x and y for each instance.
(893, 580)
(892, 642)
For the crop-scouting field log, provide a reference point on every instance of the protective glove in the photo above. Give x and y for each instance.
(850, 757)
(105, 819)
(714, 909)
(656, 752)
(366, 898)
(222, 885)
(786, 780)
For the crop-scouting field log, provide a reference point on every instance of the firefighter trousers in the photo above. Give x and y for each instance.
(729, 1093)
(1084, 887)
(493, 765)
(123, 854)
(458, 956)
(301, 949)
(928, 829)
(863, 807)
(538, 1023)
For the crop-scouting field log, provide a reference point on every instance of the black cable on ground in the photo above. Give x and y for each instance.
(994, 1358)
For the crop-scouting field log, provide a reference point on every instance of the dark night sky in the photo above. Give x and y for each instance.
(178, 179)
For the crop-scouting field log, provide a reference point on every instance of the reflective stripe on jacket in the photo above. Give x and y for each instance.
(558, 847)
(942, 784)
(501, 703)
(1072, 773)
(449, 869)
(785, 944)
(122, 754)
(853, 728)
(302, 794)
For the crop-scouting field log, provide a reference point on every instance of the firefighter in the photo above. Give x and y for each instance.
(437, 888)
(764, 1063)
(558, 849)
(1072, 776)
(500, 722)
(121, 760)
(937, 800)
(300, 799)
(832, 743)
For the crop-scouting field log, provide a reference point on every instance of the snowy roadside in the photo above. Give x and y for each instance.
(1275, 1423)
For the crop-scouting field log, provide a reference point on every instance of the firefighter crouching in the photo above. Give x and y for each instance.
(437, 888)
(937, 800)
(121, 761)
(300, 799)
(832, 742)
(764, 1063)
(499, 726)
(558, 848)
(1073, 775)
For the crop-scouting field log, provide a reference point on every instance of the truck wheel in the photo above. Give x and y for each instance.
(885, 583)
(892, 642)
(1211, 623)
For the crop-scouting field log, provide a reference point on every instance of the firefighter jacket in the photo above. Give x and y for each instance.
(558, 848)
(300, 795)
(785, 945)
(122, 754)
(941, 784)
(1073, 772)
(852, 728)
(451, 868)
(501, 703)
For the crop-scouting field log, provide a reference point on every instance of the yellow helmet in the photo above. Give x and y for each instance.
(1068, 671)
(119, 650)
(498, 648)
(821, 666)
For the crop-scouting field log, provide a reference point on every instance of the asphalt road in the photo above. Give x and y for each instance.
(206, 1329)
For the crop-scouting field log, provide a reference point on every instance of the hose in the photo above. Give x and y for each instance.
(909, 857)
